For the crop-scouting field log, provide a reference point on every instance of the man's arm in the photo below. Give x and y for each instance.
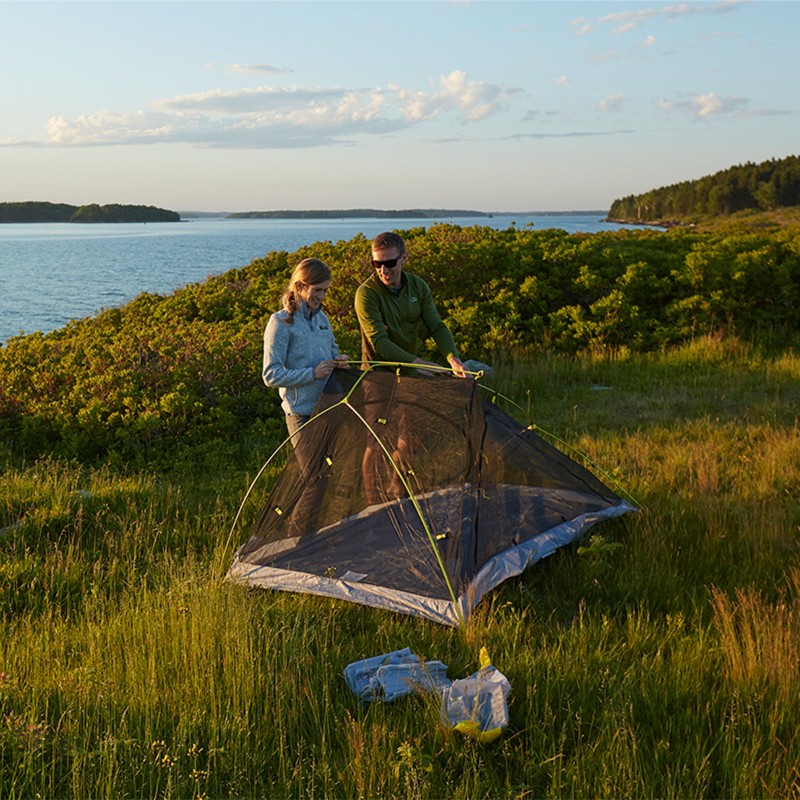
(373, 328)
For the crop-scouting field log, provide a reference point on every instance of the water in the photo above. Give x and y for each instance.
(52, 273)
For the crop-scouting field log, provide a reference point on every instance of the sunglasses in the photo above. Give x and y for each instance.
(390, 263)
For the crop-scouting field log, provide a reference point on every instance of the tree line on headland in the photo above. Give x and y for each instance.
(767, 186)
(62, 212)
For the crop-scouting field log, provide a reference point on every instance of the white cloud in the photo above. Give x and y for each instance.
(246, 101)
(611, 103)
(706, 106)
(256, 69)
(267, 117)
(562, 80)
(711, 103)
(98, 128)
(581, 26)
(473, 99)
(624, 21)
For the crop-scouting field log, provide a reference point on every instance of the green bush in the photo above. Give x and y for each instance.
(166, 372)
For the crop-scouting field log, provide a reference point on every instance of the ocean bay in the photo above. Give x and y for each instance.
(52, 273)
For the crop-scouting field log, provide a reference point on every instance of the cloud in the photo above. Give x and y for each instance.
(611, 103)
(256, 69)
(567, 134)
(472, 99)
(268, 117)
(248, 101)
(309, 125)
(706, 106)
(562, 80)
(625, 21)
(581, 26)
(532, 115)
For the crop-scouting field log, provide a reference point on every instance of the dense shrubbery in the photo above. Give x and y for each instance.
(769, 185)
(165, 372)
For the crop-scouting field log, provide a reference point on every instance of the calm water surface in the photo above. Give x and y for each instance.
(51, 273)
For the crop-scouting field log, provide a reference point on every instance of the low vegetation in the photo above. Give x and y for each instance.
(139, 382)
(656, 658)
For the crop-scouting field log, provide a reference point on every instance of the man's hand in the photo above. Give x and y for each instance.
(426, 373)
(457, 367)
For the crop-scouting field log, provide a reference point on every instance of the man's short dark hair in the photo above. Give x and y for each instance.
(387, 240)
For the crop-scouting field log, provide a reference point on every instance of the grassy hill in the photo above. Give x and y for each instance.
(665, 667)
(751, 219)
(658, 660)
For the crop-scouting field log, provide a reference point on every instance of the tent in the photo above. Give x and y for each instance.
(418, 495)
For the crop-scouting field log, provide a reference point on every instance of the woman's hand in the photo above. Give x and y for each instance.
(323, 369)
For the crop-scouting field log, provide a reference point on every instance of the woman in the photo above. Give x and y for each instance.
(300, 350)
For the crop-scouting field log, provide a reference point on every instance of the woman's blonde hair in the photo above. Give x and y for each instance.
(309, 272)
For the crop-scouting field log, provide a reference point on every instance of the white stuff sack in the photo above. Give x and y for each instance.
(477, 705)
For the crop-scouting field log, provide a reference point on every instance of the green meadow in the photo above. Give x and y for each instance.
(658, 657)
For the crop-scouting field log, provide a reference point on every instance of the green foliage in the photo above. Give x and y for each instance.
(121, 213)
(163, 374)
(62, 212)
(769, 185)
(36, 212)
(599, 553)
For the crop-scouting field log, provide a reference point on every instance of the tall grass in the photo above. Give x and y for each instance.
(664, 667)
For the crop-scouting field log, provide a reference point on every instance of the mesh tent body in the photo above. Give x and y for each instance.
(417, 495)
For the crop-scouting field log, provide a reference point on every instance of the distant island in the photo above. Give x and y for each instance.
(62, 212)
(351, 213)
(379, 213)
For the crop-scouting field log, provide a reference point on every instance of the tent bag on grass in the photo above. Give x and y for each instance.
(394, 675)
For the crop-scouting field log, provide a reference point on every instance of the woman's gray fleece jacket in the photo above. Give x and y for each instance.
(291, 351)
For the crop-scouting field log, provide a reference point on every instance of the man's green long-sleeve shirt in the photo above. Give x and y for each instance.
(389, 320)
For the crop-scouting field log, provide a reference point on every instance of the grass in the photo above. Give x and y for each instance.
(751, 218)
(658, 658)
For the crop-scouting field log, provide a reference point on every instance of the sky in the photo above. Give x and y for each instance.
(490, 106)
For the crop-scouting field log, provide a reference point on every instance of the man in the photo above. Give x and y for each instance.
(390, 305)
